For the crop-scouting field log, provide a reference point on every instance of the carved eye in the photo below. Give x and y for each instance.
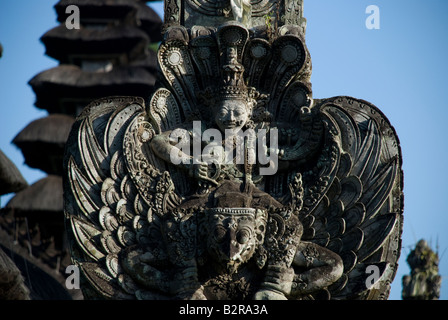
(220, 233)
(222, 112)
(243, 236)
(239, 111)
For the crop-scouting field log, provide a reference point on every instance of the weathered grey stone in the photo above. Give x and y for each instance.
(251, 13)
(158, 209)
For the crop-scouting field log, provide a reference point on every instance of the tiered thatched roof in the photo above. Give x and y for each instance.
(34, 218)
(109, 55)
(11, 180)
(62, 43)
(60, 87)
(42, 142)
(113, 10)
(41, 197)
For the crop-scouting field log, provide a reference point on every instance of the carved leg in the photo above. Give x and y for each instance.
(277, 283)
(323, 267)
(180, 240)
(282, 240)
(185, 285)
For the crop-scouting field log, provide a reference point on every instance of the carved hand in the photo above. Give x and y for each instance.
(200, 172)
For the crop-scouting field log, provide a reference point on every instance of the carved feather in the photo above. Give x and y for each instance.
(356, 219)
(110, 192)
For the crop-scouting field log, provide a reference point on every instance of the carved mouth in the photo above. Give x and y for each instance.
(230, 125)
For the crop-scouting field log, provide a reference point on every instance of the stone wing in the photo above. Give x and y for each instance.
(114, 196)
(353, 202)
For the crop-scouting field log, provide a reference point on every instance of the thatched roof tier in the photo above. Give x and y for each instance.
(149, 62)
(42, 206)
(47, 157)
(42, 142)
(150, 21)
(45, 195)
(105, 9)
(64, 88)
(68, 45)
(115, 11)
(54, 128)
(11, 180)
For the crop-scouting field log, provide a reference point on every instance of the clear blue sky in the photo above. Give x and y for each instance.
(401, 68)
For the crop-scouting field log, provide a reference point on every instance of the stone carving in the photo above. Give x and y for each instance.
(424, 282)
(233, 183)
(242, 11)
(251, 13)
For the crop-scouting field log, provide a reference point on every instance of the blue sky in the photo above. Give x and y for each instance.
(401, 68)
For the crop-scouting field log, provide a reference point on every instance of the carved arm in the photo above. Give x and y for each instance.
(323, 267)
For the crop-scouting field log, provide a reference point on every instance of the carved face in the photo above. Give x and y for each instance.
(231, 114)
(234, 234)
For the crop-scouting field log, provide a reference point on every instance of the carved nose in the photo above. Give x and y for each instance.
(234, 252)
(236, 258)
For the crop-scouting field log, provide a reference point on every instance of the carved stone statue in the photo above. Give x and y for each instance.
(424, 282)
(233, 183)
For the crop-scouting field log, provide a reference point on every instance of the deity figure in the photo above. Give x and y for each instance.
(233, 200)
(233, 182)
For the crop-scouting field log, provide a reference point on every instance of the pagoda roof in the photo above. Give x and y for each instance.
(42, 142)
(45, 195)
(11, 180)
(115, 10)
(54, 128)
(150, 22)
(149, 62)
(61, 43)
(56, 87)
